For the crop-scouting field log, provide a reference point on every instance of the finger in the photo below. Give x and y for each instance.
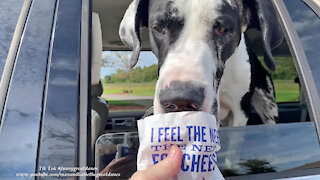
(165, 169)
(125, 159)
(120, 162)
(124, 165)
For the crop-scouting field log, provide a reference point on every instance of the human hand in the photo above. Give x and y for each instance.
(125, 166)
(164, 170)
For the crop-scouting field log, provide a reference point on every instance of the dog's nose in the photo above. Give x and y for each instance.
(182, 96)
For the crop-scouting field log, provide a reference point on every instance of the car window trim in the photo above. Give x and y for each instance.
(35, 38)
(312, 5)
(63, 87)
(317, 2)
(85, 87)
(301, 62)
(11, 57)
(277, 175)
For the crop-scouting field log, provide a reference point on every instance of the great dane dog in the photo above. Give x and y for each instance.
(205, 60)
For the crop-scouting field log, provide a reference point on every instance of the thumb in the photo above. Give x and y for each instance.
(165, 169)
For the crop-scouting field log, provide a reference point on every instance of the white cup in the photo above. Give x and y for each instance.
(195, 133)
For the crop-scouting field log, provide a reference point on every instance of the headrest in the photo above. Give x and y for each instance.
(96, 49)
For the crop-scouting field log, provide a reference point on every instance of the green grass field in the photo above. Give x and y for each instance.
(143, 89)
(121, 103)
(286, 90)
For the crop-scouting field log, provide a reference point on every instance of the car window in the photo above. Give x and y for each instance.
(289, 145)
(128, 89)
(276, 148)
(286, 88)
(246, 150)
(303, 17)
(9, 14)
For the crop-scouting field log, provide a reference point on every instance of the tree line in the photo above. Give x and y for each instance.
(285, 70)
(136, 75)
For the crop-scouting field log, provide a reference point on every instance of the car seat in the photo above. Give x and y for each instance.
(100, 108)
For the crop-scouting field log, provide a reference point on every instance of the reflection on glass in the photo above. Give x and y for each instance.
(245, 150)
(268, 148)
(9, 14)
(307, 25)
(19, 136)
(58, 143)
(116, 153)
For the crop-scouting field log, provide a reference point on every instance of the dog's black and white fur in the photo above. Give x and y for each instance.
(205, 60)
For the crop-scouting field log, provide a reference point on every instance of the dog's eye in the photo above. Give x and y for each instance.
(160, 29)
(219, 30)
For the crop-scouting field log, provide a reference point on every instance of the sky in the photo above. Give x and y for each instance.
(147, 58)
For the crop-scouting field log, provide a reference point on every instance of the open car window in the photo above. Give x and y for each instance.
(309, 37)
(128, 89)
(257, 149)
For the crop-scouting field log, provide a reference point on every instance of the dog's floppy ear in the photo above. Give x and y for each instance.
(129, 31)
(264, 17)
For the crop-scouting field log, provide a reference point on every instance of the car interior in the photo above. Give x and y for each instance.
(114, 131)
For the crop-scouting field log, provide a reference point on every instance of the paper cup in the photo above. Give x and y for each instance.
(195, 133)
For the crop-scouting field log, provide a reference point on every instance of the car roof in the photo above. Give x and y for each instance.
(112, 11)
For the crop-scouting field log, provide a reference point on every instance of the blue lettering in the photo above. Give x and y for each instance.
(194, 146)
(197, 133)
(152, 134)
(209, 149)
(195, 162)
(154, 158)
(203, 134)
(156, 147)
(189, 130)
(212, 135)
(183, 167)
(163, 156)
(167, 146)
(173, 133)
(210, 163)
(160, 134)
(179, 139)
(213, 157)
(166, 134)
(203, 163)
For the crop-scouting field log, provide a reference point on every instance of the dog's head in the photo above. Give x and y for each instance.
(192, 40)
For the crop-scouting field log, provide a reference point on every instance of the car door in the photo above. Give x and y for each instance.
(45, 94)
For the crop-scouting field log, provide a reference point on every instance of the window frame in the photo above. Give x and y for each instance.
(85, 151)
(12, 53)
(62, 101)
(312, 5)
(301, 63)
(307, 83)
(21, 118)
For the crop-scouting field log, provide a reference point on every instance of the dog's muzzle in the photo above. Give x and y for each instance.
(182, 96)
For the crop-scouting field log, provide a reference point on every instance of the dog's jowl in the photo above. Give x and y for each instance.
(205, 60)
